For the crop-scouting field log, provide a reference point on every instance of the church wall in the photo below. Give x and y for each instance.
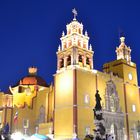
(31, 113)
(63, 123)
(24, 114)
(128, 69)
(9, 116)
(51, 104)
(42, 101)
(115, 67)
(132, 97)
(1, 97)
(86, 85)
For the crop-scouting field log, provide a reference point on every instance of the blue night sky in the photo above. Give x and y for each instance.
(30, 33)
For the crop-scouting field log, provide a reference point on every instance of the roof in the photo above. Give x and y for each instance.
(33, 80)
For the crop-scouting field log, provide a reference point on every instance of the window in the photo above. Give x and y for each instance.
(87, 130)
(86, 99)
(80, 58)
(61, 63)
(87, 61)
(134, 108)
(69, 60)
(79, 31)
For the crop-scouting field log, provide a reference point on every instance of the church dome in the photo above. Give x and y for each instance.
(33, 79)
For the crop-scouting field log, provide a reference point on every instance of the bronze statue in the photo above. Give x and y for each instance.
(98, 101)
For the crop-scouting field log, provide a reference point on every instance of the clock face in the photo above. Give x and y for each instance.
(130, 76)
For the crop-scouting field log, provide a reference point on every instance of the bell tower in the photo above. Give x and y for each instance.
(123, 52)
(74, 55)
(74, 49)
(123, 67)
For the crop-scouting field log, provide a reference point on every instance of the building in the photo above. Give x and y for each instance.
(28, 102)
(65, 109)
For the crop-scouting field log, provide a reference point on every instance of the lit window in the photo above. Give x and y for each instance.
(86, 99)
(134, 108)
(87, 130)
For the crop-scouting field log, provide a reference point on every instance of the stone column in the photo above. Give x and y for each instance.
(71, 59)
(58, 63)
(74, 56)
(84, 60)
(91, 63)
(77, 59)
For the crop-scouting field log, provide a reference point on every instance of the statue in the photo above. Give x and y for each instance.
(98, 100)
(99, 131)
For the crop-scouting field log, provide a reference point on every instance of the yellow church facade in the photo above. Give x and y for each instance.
(65, 108)
(33, 101)
(76, 82)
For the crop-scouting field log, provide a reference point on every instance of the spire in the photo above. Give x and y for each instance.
(74, 13)
(63, 33)
(59, 48)
(86, 33)
(90, 47)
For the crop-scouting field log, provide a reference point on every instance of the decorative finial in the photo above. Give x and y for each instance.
(63, 33)
(122, 39)
(90, 47)
(86, 34)
(75, 13)
(32, 70)
(59, 48)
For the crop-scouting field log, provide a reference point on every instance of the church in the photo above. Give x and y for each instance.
(65, 107)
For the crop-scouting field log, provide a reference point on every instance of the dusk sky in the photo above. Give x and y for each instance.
(30, 33)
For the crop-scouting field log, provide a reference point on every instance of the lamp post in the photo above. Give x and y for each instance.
(36, 129)
(25, 126)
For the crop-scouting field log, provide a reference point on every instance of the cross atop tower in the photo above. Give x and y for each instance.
(75, 13)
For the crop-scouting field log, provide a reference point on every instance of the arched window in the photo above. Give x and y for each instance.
(79, 43)
(69, 60)
(86, 99)
(79, 31)
(61, 63)
(80, 58)
(134, 108)
(87, 61)
(65, 46)
(84, 45)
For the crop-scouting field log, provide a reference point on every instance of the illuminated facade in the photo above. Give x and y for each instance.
(30, 98)
(65, 108)
(76, 82)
